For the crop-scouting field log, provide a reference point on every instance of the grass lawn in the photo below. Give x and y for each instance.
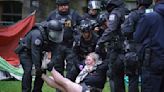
(15, 86)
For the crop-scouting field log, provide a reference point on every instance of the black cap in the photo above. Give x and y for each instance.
(62, 2)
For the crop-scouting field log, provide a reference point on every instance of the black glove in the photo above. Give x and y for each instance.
(98, 49)
(50, 65)
(39, 72)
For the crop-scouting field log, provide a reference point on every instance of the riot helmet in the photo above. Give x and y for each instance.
(62, 2)
(94, 4)
(94, 7)
(55, 31)
(102, 18)
(85, 26)
(111, 4)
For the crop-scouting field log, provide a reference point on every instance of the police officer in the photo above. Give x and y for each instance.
(31, 48)
(94, 7)
(85, 45)
(149, 32)
(113, 35)
(87, 41)
(131, 59)
(69, 18)
(102, 21)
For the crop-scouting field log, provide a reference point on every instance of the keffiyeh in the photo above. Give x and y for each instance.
(86, 70)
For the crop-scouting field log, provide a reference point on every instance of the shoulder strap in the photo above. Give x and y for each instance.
(56, 14)
(71, 14)
(42, 30)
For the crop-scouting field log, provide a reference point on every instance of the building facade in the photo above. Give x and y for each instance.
(12, 11)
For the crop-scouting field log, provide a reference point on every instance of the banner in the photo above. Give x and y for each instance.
(9, 38)
(16, 72)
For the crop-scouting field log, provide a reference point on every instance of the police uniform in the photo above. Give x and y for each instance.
(82, 48)
(70, 21)
(131, 67)
(85, 45)
(102, 22)
(132, 64)
(30, 52)
(150, 32)
(92, 18)
(93, 5)
(115, 52)
(96, 22)
(132, 70)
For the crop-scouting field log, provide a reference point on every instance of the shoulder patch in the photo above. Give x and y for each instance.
(37, 42)
(112, 17)
(149, 10)
(126, 16)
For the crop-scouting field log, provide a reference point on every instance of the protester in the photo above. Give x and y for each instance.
(92, 78)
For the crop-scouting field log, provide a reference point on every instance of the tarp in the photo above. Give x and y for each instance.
(9, 38)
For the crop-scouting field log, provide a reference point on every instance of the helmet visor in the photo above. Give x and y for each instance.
(94, 5)
(55, 36)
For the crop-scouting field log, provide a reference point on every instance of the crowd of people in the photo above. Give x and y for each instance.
(100, 44)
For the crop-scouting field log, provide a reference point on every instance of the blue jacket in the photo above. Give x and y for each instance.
(150, 32)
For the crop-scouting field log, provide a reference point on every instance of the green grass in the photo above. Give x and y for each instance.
(15, 86)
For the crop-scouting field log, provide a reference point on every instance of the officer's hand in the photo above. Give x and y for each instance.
(96, 29)
(50, 65)
(98, 49)
(39, 72)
